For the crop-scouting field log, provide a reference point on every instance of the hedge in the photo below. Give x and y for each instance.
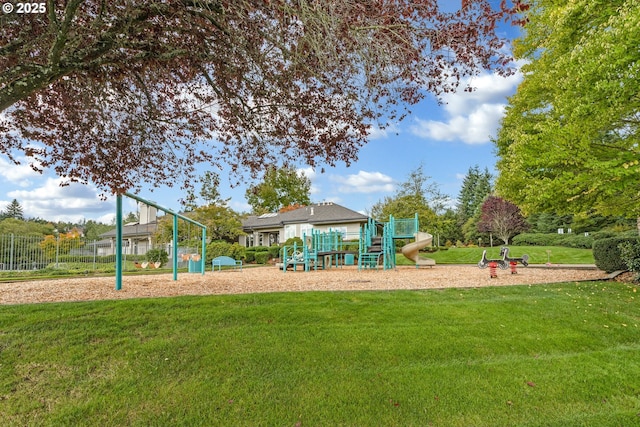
(607, 255)
(630, 254)
(274, 251)
(262, 257)
(216, 249)
(551, 239)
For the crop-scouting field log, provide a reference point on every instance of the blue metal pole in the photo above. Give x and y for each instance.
(118, 242)
(175, 247)
(204, 249)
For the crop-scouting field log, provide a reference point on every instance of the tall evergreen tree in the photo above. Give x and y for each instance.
(476, 186)
(14, 210)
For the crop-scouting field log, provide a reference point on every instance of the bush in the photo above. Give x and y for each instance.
(249, 256)
(157, 255)
(351, 246)
(262, 257)
(274, 251)
(551, 239)
(216, 249)
(630, 255)
(292, 240)
(237, 252)
(607, 255)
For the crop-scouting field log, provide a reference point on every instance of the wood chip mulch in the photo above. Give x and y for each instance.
(270, 279)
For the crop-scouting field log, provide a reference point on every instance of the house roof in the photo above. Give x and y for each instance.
(135, 229)
(316, 214)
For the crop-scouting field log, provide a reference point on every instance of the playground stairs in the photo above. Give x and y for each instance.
(371, 258)
(376, 245)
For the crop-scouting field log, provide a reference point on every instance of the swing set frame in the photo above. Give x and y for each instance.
(174, 248)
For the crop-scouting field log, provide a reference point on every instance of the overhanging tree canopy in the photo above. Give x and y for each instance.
(570, 138)
(121, 92)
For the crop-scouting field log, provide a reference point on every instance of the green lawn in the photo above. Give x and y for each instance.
(537, 255)
(547, 355)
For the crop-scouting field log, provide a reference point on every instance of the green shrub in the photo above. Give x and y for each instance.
(292, 240)
(630, 255)
(262, 257)
(237, 252)
(157, 255)
(351, 246)
(579, 241)
(261, 248)
(249, 256)
(606, 253)
(274, 251)
(218, 248)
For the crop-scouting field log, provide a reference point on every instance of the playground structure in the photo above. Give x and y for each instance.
(374, 247)
(196, 261)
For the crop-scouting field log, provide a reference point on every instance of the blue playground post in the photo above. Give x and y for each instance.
(119, 242)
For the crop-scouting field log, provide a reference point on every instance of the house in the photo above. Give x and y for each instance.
(275, 228)
(136, 236)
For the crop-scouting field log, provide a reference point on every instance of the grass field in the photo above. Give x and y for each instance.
(537, 255)
(546, 355)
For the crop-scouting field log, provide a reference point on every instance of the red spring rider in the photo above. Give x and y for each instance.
(493, 269)
(513, 265)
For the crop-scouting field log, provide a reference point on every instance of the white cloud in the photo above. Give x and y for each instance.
(310, 173)
(239, 206)
(20, 175)
(69, 203)
(376, 132)
(473, 117)
(364, 182)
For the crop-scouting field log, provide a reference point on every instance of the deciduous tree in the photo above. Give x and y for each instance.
(125, 92)
(280, 188)
(417, 194)
(502, 218)
(569, 140)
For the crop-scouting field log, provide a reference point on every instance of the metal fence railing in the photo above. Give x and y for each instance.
(37, 252)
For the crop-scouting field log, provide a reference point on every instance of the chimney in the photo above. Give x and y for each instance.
(311, 211)
(148, 214)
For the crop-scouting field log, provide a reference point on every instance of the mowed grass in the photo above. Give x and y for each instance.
(547, 355)
(537, 255)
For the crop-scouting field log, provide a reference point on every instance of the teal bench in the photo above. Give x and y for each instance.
(226, 262)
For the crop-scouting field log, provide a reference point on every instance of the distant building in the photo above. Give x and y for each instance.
(136, 236)
(275, 228)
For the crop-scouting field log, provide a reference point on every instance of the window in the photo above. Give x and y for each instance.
(306, 229)
(289, 231)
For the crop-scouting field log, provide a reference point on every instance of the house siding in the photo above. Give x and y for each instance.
(322, 217)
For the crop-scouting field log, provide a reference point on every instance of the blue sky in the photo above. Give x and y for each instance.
(446, 139)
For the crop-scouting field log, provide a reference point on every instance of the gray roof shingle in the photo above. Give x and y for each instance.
(319, 213)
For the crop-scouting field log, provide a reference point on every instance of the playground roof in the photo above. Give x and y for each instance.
(319, 213)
